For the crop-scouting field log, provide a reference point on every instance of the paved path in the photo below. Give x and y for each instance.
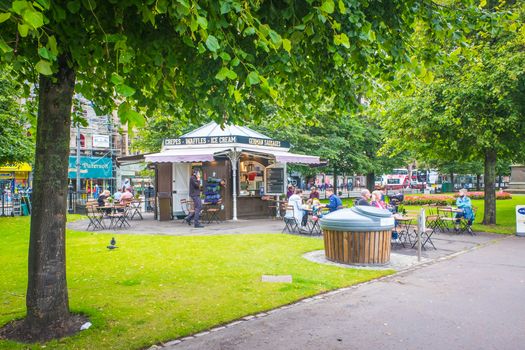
(472, 301)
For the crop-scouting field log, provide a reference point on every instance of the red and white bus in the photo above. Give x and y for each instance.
(397, 180)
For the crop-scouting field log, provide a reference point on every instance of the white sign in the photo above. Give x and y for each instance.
(520, 220)
(101, 141)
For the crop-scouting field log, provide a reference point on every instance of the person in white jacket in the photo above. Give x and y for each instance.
(296, 201)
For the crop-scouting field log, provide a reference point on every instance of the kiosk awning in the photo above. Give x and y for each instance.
(183, 155)
(284, 156)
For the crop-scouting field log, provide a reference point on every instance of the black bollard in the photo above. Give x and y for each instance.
(70, 193)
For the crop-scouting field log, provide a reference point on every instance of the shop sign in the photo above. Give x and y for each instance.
(91, 168)
(219, 140)
(101, 141)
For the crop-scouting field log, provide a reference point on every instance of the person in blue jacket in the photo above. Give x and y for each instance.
(463, 202)
(335, 202)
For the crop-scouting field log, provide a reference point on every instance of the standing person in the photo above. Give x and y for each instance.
(195, 195)
(335, 202)
(365, 197)
(314, 193)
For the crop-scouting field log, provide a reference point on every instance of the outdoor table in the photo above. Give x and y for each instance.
(313, 225)
(405, 223)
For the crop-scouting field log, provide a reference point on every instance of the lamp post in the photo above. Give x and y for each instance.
(70, 209)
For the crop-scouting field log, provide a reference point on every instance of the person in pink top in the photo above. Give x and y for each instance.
(126, 196)
(376, 200)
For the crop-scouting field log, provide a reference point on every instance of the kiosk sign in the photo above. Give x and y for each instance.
(520, 220)
(220, 140)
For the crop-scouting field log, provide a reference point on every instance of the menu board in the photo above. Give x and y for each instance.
(274, 181)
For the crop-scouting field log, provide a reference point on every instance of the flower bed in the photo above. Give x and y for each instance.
(481, 195)
(448, 199)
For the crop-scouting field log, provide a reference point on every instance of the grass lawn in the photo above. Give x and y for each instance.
(505, 214)
(158, 288)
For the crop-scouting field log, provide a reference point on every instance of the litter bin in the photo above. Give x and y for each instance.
(447, 187)
(359, 235)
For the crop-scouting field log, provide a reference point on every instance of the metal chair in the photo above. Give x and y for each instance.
(95, 218)
(290, 223)
(134, 209)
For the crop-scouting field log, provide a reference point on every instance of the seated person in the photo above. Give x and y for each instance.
(377, 201)
(335, 202)
(463, 202)
(101, 200)
(298, 212)
(314, 193)
(126, 197)
(365, 197)
(117, 195)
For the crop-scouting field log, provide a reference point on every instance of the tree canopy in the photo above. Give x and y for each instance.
(474, 108)
(16, 122)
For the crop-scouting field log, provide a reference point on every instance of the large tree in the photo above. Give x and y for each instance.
(226, 59)
(474, 109)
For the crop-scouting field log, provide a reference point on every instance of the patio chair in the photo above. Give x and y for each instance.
(187, 206)
(446, 218)
(95, 218)
(426, 236)
(464, 224)
(120, 216)
(290, 223)
(134, 209)
(211, 212)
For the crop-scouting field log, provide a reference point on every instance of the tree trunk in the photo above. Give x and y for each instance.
(452, 182)
(489, 217)
(47, 296)
(370, 181)
(477, 182)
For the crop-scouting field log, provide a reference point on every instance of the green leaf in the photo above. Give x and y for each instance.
(19, 6)
(328, 6)
(342, 39)
(225, 7)
(231, 74)
(4, 47)
(221, 75)
(4, 16)
(225, 56)
(73, 6)
(212, 44)
(275, 38)
(44, 53)
(44, 67)
(52, 43)
(184, 3)
(249, 31)
(34, 18)
(203, 22)
(44, 3)
(287, 45)
(342, 7)
(116, 79)
(124, 90)
(23, 29)
(253, 79)
(237, 96)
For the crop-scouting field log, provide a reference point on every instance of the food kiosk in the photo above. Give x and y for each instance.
(248, 164)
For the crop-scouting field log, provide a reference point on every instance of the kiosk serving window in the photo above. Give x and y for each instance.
(251, 178)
